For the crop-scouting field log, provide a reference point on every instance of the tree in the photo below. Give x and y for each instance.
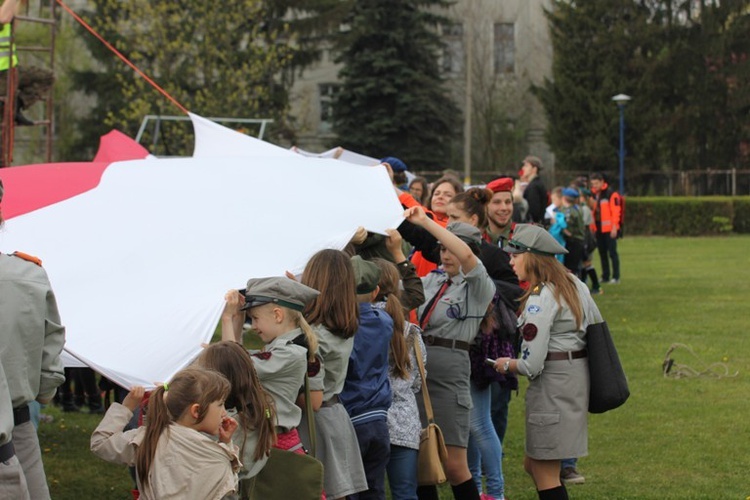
(220, 60)
(392, 100)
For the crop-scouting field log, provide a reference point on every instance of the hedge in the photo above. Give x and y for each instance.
(687, 216)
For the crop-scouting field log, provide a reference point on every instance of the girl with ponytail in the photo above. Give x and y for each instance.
(174, 455)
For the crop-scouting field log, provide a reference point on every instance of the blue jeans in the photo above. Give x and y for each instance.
(485, 450)
(500, 401)
(568, 462)
(375, 448)
(402, 473)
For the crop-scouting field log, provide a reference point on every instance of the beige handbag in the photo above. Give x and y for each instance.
(432, 451)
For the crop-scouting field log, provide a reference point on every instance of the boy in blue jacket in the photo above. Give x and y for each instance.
(367, 392)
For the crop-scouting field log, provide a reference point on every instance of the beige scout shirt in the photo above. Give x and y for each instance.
(31, 333)
(333, 353)
(548, 326)
(187, 464)
(281, 368)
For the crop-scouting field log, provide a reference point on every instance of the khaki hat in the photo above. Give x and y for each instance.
(534, 239)
(466, 232)
(366, 274)
(278, 290)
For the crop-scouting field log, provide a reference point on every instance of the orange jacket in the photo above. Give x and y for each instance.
(608, 209)
(424, 266)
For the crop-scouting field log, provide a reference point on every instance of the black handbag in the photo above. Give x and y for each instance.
(609, 386)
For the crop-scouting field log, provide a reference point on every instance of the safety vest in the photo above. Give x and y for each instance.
(608, 209)
(8, 58)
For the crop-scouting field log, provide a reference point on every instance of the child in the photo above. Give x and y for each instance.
(589, 243)
(334, 316)
(247, 402)
(184, 461)
(275, 307)
(574, 232)
(367, 392)
(404, 425)
(556, 219)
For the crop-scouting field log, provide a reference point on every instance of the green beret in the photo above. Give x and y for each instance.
(366, 274)
(534, 239)
(278, 290)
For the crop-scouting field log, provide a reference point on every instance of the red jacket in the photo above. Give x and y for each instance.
(424, 266)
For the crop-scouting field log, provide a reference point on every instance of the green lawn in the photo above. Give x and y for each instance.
(686, 438)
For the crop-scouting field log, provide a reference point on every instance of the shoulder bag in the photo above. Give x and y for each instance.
(609, 386)
(432, 451)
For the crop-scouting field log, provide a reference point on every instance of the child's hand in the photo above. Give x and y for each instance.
(359, 236)
(289, 275)
(416, 215)
(134, 398)
(233, 301)
(228, 426)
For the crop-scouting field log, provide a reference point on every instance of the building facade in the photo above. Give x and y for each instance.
(495, 51)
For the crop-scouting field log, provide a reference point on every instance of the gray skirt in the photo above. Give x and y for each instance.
(448, 372)
(338, 449)
(557, 411)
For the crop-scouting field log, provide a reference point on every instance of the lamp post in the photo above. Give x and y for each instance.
(621, 100)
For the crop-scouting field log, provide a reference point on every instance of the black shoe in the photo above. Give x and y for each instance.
(22, 121)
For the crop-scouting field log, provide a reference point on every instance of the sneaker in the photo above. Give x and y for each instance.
(614, 282)
(485, 496)
(571, 476)
(597, 291)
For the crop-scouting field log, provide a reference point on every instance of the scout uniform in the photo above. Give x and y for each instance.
(282, 363)
(337, 446)
(554, 357)
(31, 339)
(12, 479)
(448, 332)
(187, 463)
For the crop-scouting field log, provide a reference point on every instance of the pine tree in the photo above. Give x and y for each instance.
(392, 100)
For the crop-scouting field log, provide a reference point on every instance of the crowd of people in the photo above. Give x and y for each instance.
(484, 285)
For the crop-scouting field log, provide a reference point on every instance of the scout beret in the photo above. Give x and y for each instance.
(278, 290)
(534, 239)
(396, 164)
(366, 275)
(501, 185)
(570, 192)
(468, 233)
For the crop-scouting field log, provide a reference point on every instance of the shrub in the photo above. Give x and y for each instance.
(687, 216)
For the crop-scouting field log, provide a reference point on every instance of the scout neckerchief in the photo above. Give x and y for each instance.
(432, 303)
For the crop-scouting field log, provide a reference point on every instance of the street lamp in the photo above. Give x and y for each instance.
(621, 100)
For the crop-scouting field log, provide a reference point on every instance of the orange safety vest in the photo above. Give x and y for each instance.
(607, 210)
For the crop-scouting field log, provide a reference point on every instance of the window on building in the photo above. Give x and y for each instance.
(453, 50)
(505, 49)
(327, 95)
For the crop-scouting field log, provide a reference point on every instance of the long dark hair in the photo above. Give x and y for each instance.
(255, 407)
(331, 273)
(474, 202)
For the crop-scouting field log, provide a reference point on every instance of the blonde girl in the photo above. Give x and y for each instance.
(175, 455)
(274, 305)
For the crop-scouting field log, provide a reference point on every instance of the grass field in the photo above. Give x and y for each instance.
(683, 438)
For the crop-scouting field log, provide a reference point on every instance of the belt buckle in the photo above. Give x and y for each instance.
(429, 339)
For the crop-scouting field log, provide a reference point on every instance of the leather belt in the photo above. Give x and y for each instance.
(449, 343)
(21, 415)
(7, 451)
(334, 400)
(560, 355)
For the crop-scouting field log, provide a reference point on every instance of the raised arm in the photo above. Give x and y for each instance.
(232, 318)
(451, 242)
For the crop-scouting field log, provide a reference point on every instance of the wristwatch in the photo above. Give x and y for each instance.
(506, 367)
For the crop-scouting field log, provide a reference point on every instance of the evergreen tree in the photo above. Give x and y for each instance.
(392, 100)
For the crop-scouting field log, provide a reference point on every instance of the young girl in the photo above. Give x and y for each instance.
(404, 425)
(247, 402)
(334, 316)
(183, 461)
(274, 305)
